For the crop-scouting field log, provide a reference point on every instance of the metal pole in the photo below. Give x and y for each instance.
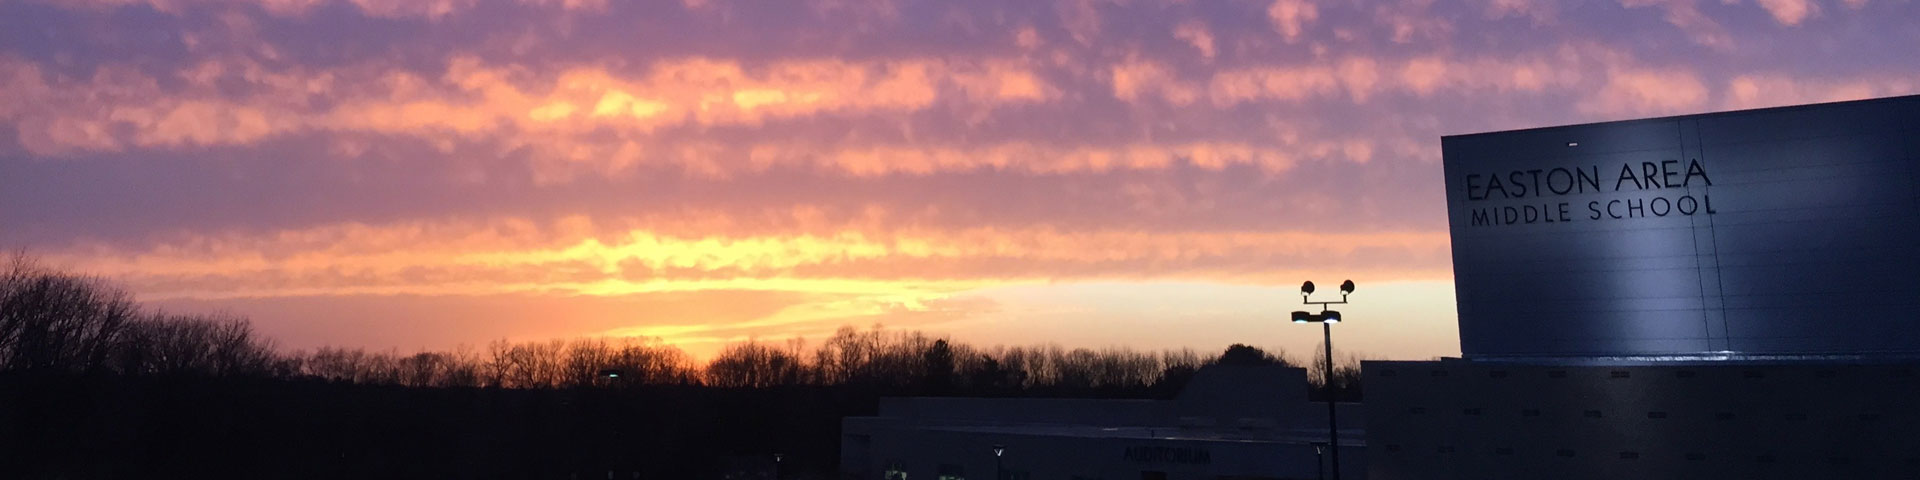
(1320, 462)
(1333, 422)
(997, 473)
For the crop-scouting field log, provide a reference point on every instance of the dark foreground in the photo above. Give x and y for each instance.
(67, 426)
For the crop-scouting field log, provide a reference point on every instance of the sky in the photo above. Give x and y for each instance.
(422, 174)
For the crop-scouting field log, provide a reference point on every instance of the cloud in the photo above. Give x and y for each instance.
(1196, 34)
(1790, 12)
(1644, 92)
(120, 107)
(1138, 80)
(1686, 15)
(1773, 90)
(823, 161)
(1541, 11)
(579, 256)
(1291, 17)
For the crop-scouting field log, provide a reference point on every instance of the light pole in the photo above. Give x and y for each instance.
(1319, 459)
(1326, 318)
(776, 465)
(998, 451)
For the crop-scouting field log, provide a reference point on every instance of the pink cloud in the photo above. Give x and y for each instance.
(1291, 17)
(1790, 12)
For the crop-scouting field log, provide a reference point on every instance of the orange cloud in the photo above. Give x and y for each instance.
(59, 115)
(584, 257)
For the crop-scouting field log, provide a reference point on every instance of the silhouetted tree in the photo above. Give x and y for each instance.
(752, 364)
(1242, 354)
(993, 378)
(1346, 375)
(57, 321)
(938, 363)
(186, 344)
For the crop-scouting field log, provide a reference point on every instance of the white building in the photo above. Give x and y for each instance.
(1231, 422)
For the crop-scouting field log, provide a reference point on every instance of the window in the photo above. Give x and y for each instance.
(1753, 374)
(1619, 374)
(1683, 374)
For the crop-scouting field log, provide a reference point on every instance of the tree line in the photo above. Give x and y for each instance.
(52, 320)
(93, 385)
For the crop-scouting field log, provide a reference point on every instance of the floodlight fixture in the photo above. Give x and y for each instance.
(999, 450)
(1326, 318)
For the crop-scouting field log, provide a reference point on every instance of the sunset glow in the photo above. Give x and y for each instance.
(1153, 173)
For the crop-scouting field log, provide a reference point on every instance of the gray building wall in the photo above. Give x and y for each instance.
(1229, 422)
(1489, 420)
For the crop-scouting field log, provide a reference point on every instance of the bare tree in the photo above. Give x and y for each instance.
(753, 364)
(56, 321)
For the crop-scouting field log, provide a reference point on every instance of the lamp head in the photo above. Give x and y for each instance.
(1346, 287)
(1306, 288)
(999, 450)
(1330, 316)
(1302, 317)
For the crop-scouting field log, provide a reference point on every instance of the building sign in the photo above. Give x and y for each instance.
(1777, 232)
(1159, 454)
(1541, 195)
